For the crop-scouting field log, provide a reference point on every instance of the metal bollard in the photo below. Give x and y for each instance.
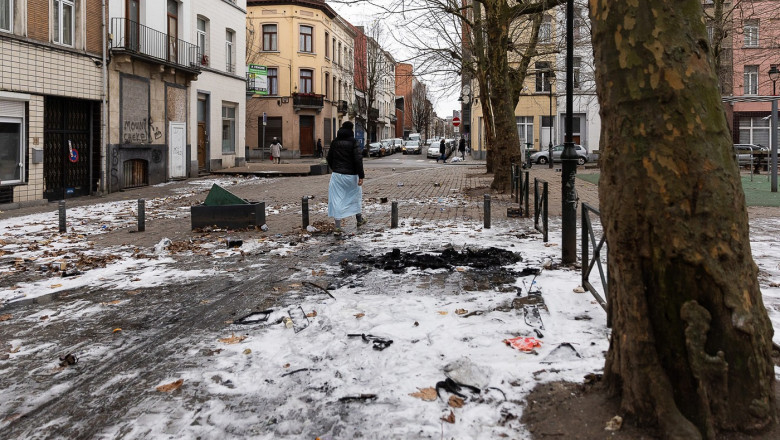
(141, 215)
(61, 206)
(394, 215)
(305, 212)
(487, 211)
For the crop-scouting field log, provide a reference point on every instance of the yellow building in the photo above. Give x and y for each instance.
(301, 58)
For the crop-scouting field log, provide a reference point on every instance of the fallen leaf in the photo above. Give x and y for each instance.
(247, 351)
(173, 386)
(136, 279)
(460, 269)
(461, 311)
(44, 317)
(233, 339)
(450, 418)
(614, 424)
(360, 315)
(15, 350)
(579, 289)
(456, 402)
(441, 312)
(416, 324)
(117, 330)
(54, 286)
(312, 314)
(205, 301)
(111, 303)
(228, 322)
(6, 317)
(133, 292)
(550, 244)
(286, 365)
(427, 394)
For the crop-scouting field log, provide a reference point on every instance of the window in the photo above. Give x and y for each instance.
(229, 62)
(751, 80)
(525, 129)
(228, 128)
(273, 81)
(751, 33)
(6, 15)
(339, 54)
(543, 75)
(327, 86)
(334, 86)
(327, 38)
(545, 30)
(576, 72)
(334, 48)
(201, 38)
(269, 37)
(63, 22)
(305, 41)
(307, 81)
(754, 131)
(577, 23)
(11, 148)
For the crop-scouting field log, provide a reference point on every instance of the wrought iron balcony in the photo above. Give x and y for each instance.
(144, 42)
(308, 101)
(343, 107)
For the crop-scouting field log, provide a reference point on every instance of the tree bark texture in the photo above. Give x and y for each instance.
(691, 342)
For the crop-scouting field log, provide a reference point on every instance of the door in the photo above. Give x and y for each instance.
(203, 133)
(173, 30)
(132, 26)
(177, 146)
(307, 135)
(202, 146)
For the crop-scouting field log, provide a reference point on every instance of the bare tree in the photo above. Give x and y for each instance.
(379, 70)
(691, 343)
(422, 109)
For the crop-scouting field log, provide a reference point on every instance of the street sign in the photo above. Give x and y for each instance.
(456, 121)
(456, 130)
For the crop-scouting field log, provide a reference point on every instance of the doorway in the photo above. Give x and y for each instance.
(203, 133)
(177, 150)
(173, 30)
(307, 135)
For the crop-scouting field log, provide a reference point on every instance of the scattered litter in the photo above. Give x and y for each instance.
(44, 317)
(379, 343)
(311, 229)
(456, 402)
(464, 372)
(583, 317)
(383, 200)
(233, 339)
(254, 318)
(287, 322)
(360, 397)
(290, 373)
(461, 311)
(532, 316)
(234, 243)
(68, 359)
(164, 244)
(313, 314)
(523, 343)
(442, 312)
(299, 319)
(6, 317)
(453, 387)
(54, 286)
(308, 283)
(427, 394)
(117, 330)
(563, 352)
(264, 228)
(173, 386)
(614, 424)
(110, 303)
(359, 315)
(400, 184)
(579, 289)
(450, 418)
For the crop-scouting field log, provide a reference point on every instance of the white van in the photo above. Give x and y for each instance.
(414, 137)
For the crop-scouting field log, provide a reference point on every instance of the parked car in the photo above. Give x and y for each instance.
(376, 149)
(387, 147)
(744, 153)
(433, 150)
(396, 143)
(412, 147)
(543, 157)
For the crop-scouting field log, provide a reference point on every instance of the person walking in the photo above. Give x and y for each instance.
(345, 191)
(319, 147)
(462, 147)
(442, 152)
(276, 151)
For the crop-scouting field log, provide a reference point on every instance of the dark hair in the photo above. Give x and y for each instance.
(347, 125)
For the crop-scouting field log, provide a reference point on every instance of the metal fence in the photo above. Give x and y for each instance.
(520, 189)
(540, 207)
(589, 261)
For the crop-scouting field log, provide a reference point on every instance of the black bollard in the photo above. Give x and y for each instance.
(61, 206)
(394, 215)
(305, 212)
(487, 211)
(141, 215)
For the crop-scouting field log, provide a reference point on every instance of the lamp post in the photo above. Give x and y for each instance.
(550, 79)
(569, 154)
(774, 74)
(465, 111)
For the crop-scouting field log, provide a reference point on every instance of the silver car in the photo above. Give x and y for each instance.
(543, 157)
(412, 147)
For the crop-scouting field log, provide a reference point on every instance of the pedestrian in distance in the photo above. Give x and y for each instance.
(442, 151)
(345, 191)
(319, 147)
(276, 151)
(462, 147)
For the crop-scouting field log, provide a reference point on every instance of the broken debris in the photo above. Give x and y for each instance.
(523, 344)
(378, 343)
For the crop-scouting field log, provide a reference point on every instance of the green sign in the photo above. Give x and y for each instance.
(258, 77)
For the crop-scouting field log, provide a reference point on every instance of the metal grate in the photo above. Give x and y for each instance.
(6, 194)
(136, 173)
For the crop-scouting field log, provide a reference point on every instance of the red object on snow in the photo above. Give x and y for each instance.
(523, 344)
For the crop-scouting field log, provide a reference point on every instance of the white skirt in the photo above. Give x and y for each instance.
(345, 196)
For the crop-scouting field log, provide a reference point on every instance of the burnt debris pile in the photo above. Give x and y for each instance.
(396, 261)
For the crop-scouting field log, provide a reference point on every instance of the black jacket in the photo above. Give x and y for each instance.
(462, 146)
(442, 148)
(344, 154)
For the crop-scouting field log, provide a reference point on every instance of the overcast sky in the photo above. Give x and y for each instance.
(363, 15)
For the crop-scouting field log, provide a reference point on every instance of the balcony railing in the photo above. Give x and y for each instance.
(373, 114)
(135, 38)
(343, 107)
(308, 100)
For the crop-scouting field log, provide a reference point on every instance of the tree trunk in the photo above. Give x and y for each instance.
(691, 341)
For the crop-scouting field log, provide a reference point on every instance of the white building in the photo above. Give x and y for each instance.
(218, 97)
(339, 77)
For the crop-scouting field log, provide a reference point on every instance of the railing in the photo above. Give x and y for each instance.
(373, 114)
(343, 107)
(540, 207)
(520, 187)
(589, 261)
(308, 100)
(138, 39)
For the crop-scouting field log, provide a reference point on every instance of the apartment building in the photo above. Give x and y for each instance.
(290, 52)
(152, 66)
(51, 89)
(339, 79)
(218, 96)
(404, 85)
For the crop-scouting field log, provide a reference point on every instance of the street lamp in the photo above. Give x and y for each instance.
(550, 79)
(774, 75)
(569, 154)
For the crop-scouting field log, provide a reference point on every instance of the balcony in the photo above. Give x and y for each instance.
(393, 119)
(151, 45)
(373, 114)
(308, 101)
(343, 107)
